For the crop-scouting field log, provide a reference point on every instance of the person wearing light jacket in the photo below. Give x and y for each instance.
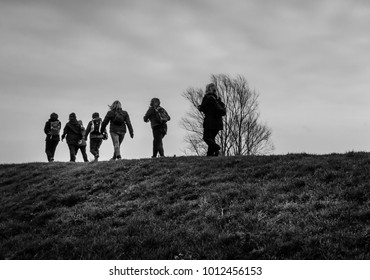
(96, 137)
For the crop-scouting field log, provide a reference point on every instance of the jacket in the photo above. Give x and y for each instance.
(93, 134)
(47, 130)
(73, 132)
(115, 127)
(213, 110)
(151, 115)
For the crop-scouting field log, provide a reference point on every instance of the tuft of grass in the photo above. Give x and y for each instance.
(296, 206)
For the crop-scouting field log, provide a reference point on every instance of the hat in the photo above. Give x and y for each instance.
(95, 115)
(72, 115)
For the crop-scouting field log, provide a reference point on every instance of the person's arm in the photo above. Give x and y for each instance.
(169, 117)
(60, 125)
(87, 131)
(65, 131)
(105, 123)
(220, 107)
(128, 123)
(80, 134)
(148, 114)
(47, 128)
(203, 105)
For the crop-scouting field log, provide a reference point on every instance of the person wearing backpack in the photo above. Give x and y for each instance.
(158, 118)
(214, 109)
(118, 120)
(96, 138)
(52, 131)
(82, 143)
(72, 132)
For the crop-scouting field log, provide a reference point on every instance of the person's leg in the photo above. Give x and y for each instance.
(76, 150)
(157, 139)
(83, 152)
(216, 148)
(98, 144)
(117, 140)
(72, 152)
(209, 137)
(121, 136)
(163, 134)
(93, 147)
(54, 145)
(160, 146)
(48, 149)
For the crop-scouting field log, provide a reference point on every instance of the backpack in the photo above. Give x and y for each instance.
(95, 130)
(55, 128)
(96, 124)
(162, 115)
(119, 118)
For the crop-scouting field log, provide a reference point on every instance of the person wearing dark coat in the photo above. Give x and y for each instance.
(96, 138)
(159, 128)
(52, 131)
(72, 133)
(213, 109)
(118, 120)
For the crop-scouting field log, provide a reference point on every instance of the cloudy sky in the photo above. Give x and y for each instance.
(308, 60)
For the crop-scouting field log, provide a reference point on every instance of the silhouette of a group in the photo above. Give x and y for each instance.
(76, 134)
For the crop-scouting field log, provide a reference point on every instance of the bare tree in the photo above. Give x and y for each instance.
(243, 134)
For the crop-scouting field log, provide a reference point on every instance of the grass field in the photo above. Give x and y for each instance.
(295, 206)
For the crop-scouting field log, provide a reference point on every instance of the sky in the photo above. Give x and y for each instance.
(309, 61)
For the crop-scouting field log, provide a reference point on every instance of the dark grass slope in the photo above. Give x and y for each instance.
(295, 206)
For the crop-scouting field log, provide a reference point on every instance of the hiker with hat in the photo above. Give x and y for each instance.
(72, 132)
(52, 131)
(96, 137)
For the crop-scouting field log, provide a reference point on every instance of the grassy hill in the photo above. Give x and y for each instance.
(294, 206)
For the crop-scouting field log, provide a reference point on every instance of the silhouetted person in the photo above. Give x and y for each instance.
(82, 143)
(73, 132)
(52, 131)
(213, 109)
(158, 118)
(96, 138)
(118, 120)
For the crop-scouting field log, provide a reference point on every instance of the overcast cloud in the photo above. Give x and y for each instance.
(308, 60)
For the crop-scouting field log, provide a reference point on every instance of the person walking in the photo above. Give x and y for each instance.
(82, 143)
(52, 131)
(214, 109)
(96, 138)
(158, 118)
(118, 120)
(72, 132)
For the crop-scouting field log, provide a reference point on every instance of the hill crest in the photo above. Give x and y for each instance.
(296, 206)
